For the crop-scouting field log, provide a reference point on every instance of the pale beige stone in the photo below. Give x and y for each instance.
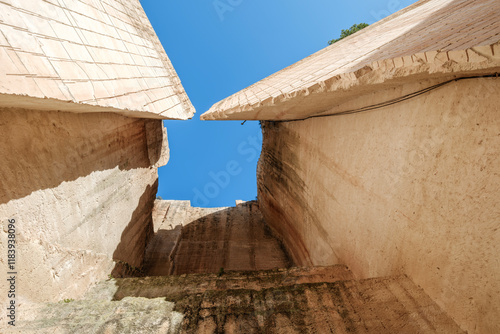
(408, 189)
(331, 76)
(411, 188)
(58, 41)
(81, 188)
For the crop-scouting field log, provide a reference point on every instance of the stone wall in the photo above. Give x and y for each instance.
(408, 189)
(191, 240)
(81, 188)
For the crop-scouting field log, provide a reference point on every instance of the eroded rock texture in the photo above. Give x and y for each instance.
(78, 178)
(411, 188)
(207, 240)
(277, 301)
(81, 188)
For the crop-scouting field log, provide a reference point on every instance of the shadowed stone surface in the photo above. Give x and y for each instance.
(81, 188)
(406, 179)
(200, 240)
(283, 301)
(83, 88)
(409, 189)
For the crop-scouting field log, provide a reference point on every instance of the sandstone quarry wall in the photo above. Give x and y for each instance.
(191, 240)
(81, 188)
(412, 189)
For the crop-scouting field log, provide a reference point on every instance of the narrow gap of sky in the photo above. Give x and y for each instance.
(220, 47)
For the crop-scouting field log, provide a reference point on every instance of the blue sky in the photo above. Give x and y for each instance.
(220, 47)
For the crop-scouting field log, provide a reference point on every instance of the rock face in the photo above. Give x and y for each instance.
(83, 88)
(281, 300)
(278, 301)
(208, 240)
(411, 188)
(81, 188)
(404, 179)
(407, 193)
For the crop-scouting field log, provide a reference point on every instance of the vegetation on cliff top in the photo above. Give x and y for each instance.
(344, 33)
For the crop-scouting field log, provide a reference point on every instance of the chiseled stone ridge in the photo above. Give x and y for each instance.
(431, 41)
(100, 55)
